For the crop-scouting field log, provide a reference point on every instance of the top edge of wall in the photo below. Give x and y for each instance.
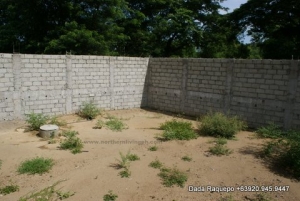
(9, 55)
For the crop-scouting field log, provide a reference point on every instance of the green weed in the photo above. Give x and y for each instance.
(89, 111)
(177, 130)
(270, 131)
(284, 149)
(9, 189)
(153, 148)
(172, 177)
(221, 141)
(133, 157)
(54, 120)
(124, 162)
(35, 121)
(45, 194)
(99, 124)
(51, 141)
(110, 196)
(156, 164)
(64, 195)
(37, 165)
(72, 143)
(186, 158)
(220, 150)
(220, 125)
(125, 173)
(115, 124)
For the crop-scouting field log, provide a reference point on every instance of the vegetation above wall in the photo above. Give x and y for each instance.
(173, 28)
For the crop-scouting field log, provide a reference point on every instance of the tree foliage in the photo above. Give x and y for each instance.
(159, 28)
(273, 24)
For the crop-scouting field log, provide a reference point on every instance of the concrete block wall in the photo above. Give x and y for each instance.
(6, 87)
(259, 91)
(42, 80)
(59, 84)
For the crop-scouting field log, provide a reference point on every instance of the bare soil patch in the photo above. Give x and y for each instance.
(91, 174)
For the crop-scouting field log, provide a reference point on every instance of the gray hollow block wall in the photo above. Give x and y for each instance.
(59, 84)
(259, 91)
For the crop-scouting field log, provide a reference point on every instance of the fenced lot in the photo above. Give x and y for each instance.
(95, 171)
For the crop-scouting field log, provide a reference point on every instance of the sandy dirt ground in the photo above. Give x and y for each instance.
(91, 174)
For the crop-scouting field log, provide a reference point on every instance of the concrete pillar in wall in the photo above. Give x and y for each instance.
(291, 94)
(69, 92)
(16, 60)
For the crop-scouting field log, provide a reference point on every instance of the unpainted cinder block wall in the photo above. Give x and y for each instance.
(259, 91)
(59, 84)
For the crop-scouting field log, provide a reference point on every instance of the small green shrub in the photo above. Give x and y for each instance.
(110, 196)
(99, 124)
(284, 152)
(42, 195)
(9, 189)
(178, 130)
(221, 141)
(51, 141)
(115, 124)
(133, 157)
(220, 150)
(156, 164)
(0, 164)
(35, 121)
(270, 131)
(124, 162)
(220, 125)
(64, 195)
(37, 165)
(72, 143)
(54, 120)
(69, 133)
(186, 158)
(125, 173)
(172, 177)
(261, 197)
(89, 111)
(153, 148)
(227, 198)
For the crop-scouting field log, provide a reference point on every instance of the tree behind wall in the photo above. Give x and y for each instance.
(274, 26)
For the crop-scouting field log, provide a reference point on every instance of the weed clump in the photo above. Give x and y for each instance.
(220, 125)
(270, 131)
(35, 121)
(284, 148)
(178, 130)
(72, 142)
(9, 189)
(172, 176)
(89, 111)
(48, 193)
(54, 120)
(153, 148)
(110, 196)
(156, 164)
(186, 158)
(115, 124)
(37, 165)
(220, 147)
(124, 163)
